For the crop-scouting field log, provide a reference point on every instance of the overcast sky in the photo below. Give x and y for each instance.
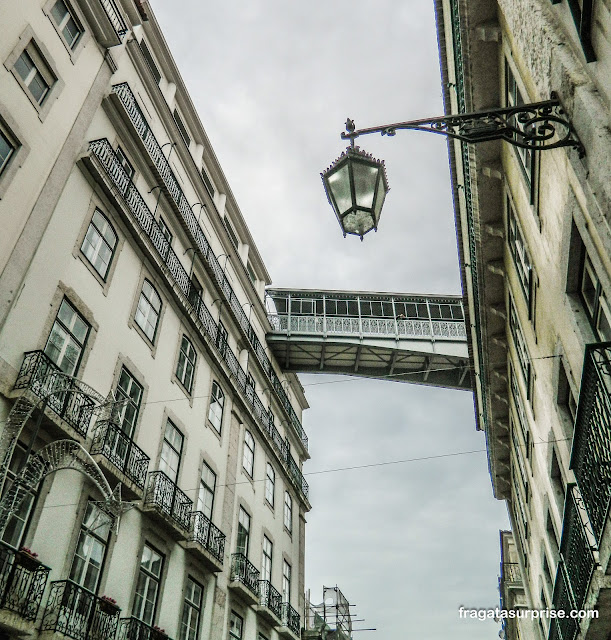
(274, 83)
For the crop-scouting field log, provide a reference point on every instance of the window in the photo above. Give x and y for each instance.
(248, 457)
(66, 23)
(251, 273)
(67, 338)
(129, 391)
(147, 313)
(16, 526)
(34, 72)
(520, 346)
(243, 532)
(595, 300)
(526, 157)
(186, 364)
(217, 401)
(288, 512)
(91, 548)
(181, 127)
(286, 581)
(191, 610)
(147, 588)
(207, 183)
(207, 487)
(221, 338)
(270, 483)
(521, 258)
(165, 230)
(230, 232)
(171, 451)
(150, 61)
(125, 163)
(557, 479)
(7, 149)
(266, 564)
(99, 243)
(250, 386)
(235, 626)
(566, 397)
(195, 293)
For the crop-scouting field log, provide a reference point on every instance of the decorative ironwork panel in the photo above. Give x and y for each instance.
(575, 550)
(134, 629)
(511, 572)
(291, 619)
(270, 597)
(115, 17)
(162, 165)
(244, 571)
(163, 494)
(42, 376)
(22, 582)
(563, 628)
(591, 458)
(113, 443)
(208, 535)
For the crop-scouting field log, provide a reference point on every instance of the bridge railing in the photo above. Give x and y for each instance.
(397, 328)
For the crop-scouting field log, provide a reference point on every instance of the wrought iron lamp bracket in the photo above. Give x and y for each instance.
(538, 126)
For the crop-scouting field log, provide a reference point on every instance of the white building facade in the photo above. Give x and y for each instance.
(132, 349)
(535, 246)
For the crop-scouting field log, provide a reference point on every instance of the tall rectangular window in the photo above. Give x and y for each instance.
(248, 455)
(66, 23)
(181, 127)
(207, 183)
(35, 73)
(99, 243)
(207, 487)
(520, 346)
(171, 451)
(125, 163)
(230, 232)
(595, 300)
(91, 548)
(521, 258)
(129, 397)
(221, 338)
(149, 308)
(243, 532)
(67, 338)
(150, 61)
(191, 610)
(7, 149)
(217, 403)
(147, 588)
(270, 483)
(185, 367)
(236, 624)
(266, 563)
(288, 512)
(286, 581)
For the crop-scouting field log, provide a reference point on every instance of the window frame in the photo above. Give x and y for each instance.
(57, 320)
(287, 577)
(599, 306)
(101, 240)
(244, 531)
(206, 489)
(236, 636)
(270, 485)
(150, 61)
(168, 447)
(217, 399)
(181, 126)
(521, 348)
(288, 512)
(148, 575)
(248, 454)
(78, 45)
(186, 380)
(143, 329)
(267, 555)
(126, 395)
(190, 605)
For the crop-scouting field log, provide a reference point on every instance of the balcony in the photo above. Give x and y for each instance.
(291, 623)
(511, 575)
(106, 21)
(120, 458)
(171, 506)
(244, 579)
(206, 541)
(270, 603)
(105, 166)
(40, 376)
(160, 165)
(75, 612)
(22, 583)
(134, 629)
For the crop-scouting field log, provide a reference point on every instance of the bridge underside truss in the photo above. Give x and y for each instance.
(304, 354)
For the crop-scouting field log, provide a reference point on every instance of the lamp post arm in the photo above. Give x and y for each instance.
(538, 126)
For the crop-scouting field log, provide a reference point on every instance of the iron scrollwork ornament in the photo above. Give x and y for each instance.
(537, 126)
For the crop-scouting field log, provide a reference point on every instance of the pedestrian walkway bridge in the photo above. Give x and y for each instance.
(409, 338)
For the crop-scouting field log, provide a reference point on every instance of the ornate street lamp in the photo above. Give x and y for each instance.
(356, 183)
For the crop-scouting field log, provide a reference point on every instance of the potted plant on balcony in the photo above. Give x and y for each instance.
(159, 633)
(26, 558)
(108, 605)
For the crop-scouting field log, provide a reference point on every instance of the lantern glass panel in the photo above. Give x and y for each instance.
(381, 197)
(358, 222)
(339, 184)
(365, 178)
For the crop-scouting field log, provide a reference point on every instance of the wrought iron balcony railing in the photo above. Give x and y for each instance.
(114, 16)
(210, 261)
(77, 613)
(112, 442)
(134, 629)
(591, 458)
(510, 573)
(42, 376)
(166, 497)
(105, 155)
(22, 582)
(244, 571)
(209, 536)
(270, 597)
(565, 628)
(290, 618)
